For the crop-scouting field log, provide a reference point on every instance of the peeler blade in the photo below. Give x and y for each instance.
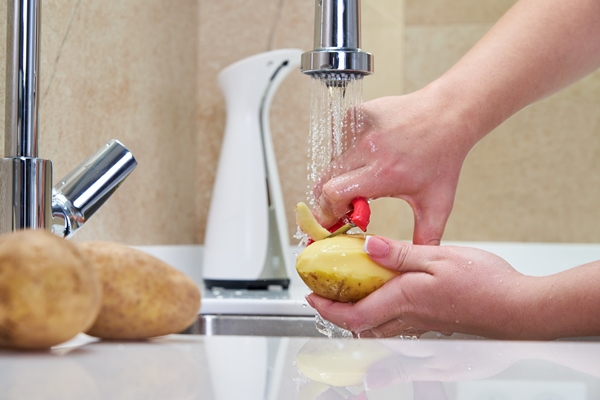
(342, 229)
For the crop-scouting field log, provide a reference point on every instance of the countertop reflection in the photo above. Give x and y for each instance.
(246, 367)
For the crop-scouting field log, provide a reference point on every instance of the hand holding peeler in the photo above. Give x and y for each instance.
(359, 216)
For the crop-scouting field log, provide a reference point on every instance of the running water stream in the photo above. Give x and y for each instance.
(335, 123)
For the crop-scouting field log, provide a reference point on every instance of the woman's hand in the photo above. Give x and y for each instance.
(412, 147)
(409, 148)
(445, 289)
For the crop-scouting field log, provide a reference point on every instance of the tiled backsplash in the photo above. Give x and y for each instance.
(144, 71)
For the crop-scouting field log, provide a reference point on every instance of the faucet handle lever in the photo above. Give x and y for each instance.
(77, 196)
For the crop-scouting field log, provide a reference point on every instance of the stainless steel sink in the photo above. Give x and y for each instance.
(254, 325)
(295, 326)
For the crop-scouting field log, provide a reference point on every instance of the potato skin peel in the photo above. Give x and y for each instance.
(48, 290)
(338, 269)
(308, 224)
(143, 296)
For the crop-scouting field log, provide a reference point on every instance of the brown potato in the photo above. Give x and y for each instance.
(48, 291)
(143, 297)
(338, 269)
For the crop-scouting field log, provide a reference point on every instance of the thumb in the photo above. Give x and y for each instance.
(430, 220)
(394, 255)
(337, 194)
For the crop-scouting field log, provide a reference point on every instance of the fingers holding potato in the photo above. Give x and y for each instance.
(338, 269)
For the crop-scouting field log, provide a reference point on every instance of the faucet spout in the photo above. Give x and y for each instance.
(83, 191)
(337, 42)
(27, 199)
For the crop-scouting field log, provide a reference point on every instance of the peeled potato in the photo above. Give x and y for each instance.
(143, 297)
(48, 290)
(308, 224)
(338, 269)
(339, 362)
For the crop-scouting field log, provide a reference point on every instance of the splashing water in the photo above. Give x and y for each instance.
(335, 122)
(330, 330)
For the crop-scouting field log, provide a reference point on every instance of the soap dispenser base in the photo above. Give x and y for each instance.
(261, 284)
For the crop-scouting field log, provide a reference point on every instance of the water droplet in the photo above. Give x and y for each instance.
(456, 321)
(453, 306)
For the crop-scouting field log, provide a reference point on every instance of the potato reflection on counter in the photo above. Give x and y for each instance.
(48, 291)
(163, 368)
(336, 363)
(43, 375)
(155, 369)
(143, 296)
(338, 269)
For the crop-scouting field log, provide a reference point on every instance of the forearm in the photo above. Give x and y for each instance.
(535, 49)
(566, 304)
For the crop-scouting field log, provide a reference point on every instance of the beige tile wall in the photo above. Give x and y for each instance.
(144, 71)
(125, 70)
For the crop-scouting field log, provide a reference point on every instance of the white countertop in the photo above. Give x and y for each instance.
(259, 368)
(238, 367)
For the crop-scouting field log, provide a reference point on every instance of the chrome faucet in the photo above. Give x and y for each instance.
(27, 198)
(337, 55)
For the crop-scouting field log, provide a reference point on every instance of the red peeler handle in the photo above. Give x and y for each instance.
(361, 213)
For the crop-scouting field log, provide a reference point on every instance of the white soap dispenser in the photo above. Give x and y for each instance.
(247, 244)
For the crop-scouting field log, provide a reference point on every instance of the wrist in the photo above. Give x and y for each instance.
(469, 110)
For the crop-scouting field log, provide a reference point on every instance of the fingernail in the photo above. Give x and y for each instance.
(376, 247)
(309, 301)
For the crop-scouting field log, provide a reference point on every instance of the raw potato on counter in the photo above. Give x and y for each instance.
(143, 296)
(48, 290)
(336, 267)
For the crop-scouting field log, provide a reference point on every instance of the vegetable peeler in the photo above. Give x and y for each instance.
(359, 216)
